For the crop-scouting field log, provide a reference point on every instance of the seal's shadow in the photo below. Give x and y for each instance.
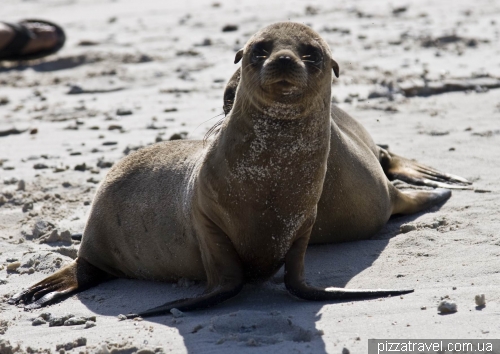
(262, 315)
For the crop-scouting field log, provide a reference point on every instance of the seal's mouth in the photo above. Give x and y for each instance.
(283, 84)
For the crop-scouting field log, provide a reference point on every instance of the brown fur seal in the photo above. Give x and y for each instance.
(240, 207)
(357, 199)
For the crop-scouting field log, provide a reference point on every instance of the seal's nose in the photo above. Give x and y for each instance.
(284, 61)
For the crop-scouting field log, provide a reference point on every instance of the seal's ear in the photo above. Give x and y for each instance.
(335, 68)
(238, 56)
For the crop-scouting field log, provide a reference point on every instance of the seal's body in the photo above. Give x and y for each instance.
(241, 206)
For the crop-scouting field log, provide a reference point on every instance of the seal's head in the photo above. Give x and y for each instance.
(284, 61)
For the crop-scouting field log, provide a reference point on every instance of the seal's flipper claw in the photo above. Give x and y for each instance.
(77, 276)
(406, 170)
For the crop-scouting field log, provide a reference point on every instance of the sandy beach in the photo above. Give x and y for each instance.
(422, 76)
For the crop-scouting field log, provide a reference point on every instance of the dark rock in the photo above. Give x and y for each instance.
(40, 166)
(229, 28)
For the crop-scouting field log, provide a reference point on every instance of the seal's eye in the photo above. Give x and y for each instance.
(312, 55)
(260, 52)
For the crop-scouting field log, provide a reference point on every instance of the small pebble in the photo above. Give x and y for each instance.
(38, 321)
(90, 324)
(123, 112)
(407, 228)
(21, 185)
(75, 321)
(122, 317)
(176, 313)
(46, 316)
(40, 166)
(480, 300)
(59, 321)
(345, 351)
(447, 307)
(12, 267)
(423, 307)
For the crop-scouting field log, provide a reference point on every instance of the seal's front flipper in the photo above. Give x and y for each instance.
(297, 286)
(223, 269)
(77, 276)
(398, 167)
(197, 303)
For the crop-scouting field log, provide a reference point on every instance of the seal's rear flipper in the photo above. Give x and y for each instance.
(77, 276)
(398, 167)
(411, 202)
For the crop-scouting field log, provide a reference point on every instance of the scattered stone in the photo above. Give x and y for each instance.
(12, 131)
(46, 316)
(429, 88)
(81, 167)
(75, 321)
(66, 184)
(173, 109)
(104, 164)
(86, 43)
(178, 136)
(76, 237)
(21, 185)
(4, 325)
(399, 10)
(423, 307)
(446, 307)
(122, 317)
(59, 321)
(345, 351)
(38, 321)
(312, 10)
(407, 228)
(176, 313)
(130, 149)
(40, 166)
(7, 348)
(12, 267)
(109, 143)
(4, 100)
(123, 112)
(70, 252)
(3, 281)
(27, 207)
(41, 228)
(480, 300)
(229, 28)
(115, 127)
(196, 328)
(54, 236)
(145, 351)
(481, 191)
(90, 324)
(8, 181)
(187, 53)
(93, 180)
(80, 342)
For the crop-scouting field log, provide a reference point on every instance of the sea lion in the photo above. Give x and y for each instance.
(355, 204)
(240, 206)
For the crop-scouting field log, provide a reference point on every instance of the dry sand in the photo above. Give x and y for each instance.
(166, 63)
